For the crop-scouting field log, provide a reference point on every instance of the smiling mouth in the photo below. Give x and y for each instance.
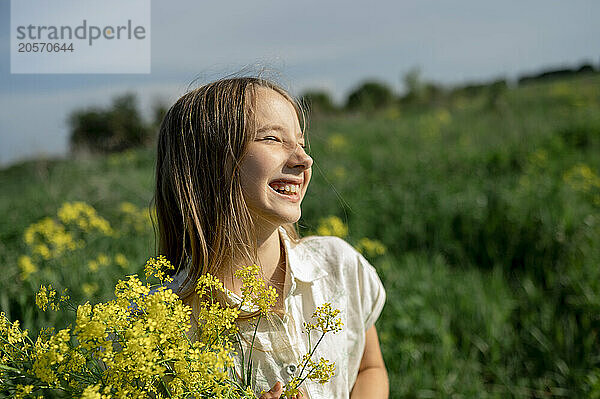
(287, 190)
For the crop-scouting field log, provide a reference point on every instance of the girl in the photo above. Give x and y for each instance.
(231, 173)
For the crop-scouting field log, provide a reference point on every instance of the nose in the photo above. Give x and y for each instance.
(300, 159)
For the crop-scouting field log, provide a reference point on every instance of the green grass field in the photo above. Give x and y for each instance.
(488, 208)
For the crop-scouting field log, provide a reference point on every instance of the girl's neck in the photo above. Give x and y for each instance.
(271, 257)
(272, 260)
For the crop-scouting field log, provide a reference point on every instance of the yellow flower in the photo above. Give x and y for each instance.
(131, 289)
(43, 251)
(44, 296)
(327, 320)
(23, 391)
(369, 247)
(12, 331)
(89, 289)
(155, 267)
(217, 321)
(93, 265)
(291, 388)
(140, 344)
(332, 226)
(88, 328)
(321, 371)
(582, 178)
(48, 239)
(49, 353)
(136, 217)
(47, 297)
(254, 289)
(101, 260)
(121, 260)
(206, 283)
(337, 142)
(128, 207)
(84, 216)
(93, 392)
(27, 267)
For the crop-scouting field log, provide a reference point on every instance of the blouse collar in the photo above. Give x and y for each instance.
(303, 263)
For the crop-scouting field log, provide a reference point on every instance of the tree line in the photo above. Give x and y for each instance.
(121, 126)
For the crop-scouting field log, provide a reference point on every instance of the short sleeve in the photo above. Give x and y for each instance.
(371, 290)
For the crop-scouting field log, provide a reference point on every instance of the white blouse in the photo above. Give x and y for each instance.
(321, 270)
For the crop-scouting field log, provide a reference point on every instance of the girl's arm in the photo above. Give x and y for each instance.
(372, 380)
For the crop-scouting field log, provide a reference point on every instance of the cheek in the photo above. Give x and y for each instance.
(253, 172)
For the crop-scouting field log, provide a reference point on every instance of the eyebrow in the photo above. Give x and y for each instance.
(279, 128)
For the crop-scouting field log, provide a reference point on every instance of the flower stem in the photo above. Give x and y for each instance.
(252, 346)
(310, 355)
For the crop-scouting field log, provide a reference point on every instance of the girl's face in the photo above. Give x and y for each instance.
(276, 170)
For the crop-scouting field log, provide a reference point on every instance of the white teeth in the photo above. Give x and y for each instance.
(287, 188)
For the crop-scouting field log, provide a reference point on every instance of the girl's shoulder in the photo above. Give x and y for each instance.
(322, 255)
(326, 246)
(339, 268)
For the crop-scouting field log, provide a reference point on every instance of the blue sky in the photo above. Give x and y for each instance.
(332, 45)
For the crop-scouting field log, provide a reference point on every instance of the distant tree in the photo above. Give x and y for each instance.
(474, 89)
(496, 91)
(109, 130)
(546, 75)
(369, 96)
(433, 93)
(419, 91)
(129, 130)
(90, 129)
(586, 68)
(414, 84)
(159, 110)
(318, 101)
(556, 73)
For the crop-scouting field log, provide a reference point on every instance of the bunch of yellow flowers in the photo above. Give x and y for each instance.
(139, 345)
(326, 321)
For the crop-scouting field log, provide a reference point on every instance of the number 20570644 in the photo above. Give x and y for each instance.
(44, 47)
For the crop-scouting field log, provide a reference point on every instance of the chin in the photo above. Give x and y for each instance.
(281, 218)
(289, 219)
(275, 214)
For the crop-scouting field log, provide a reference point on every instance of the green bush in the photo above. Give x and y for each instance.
(370, 96)
(318, 102)
(115, 129)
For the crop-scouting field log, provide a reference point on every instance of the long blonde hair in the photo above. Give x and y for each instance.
(202, 217)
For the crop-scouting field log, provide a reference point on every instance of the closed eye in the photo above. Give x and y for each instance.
(271, 138)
